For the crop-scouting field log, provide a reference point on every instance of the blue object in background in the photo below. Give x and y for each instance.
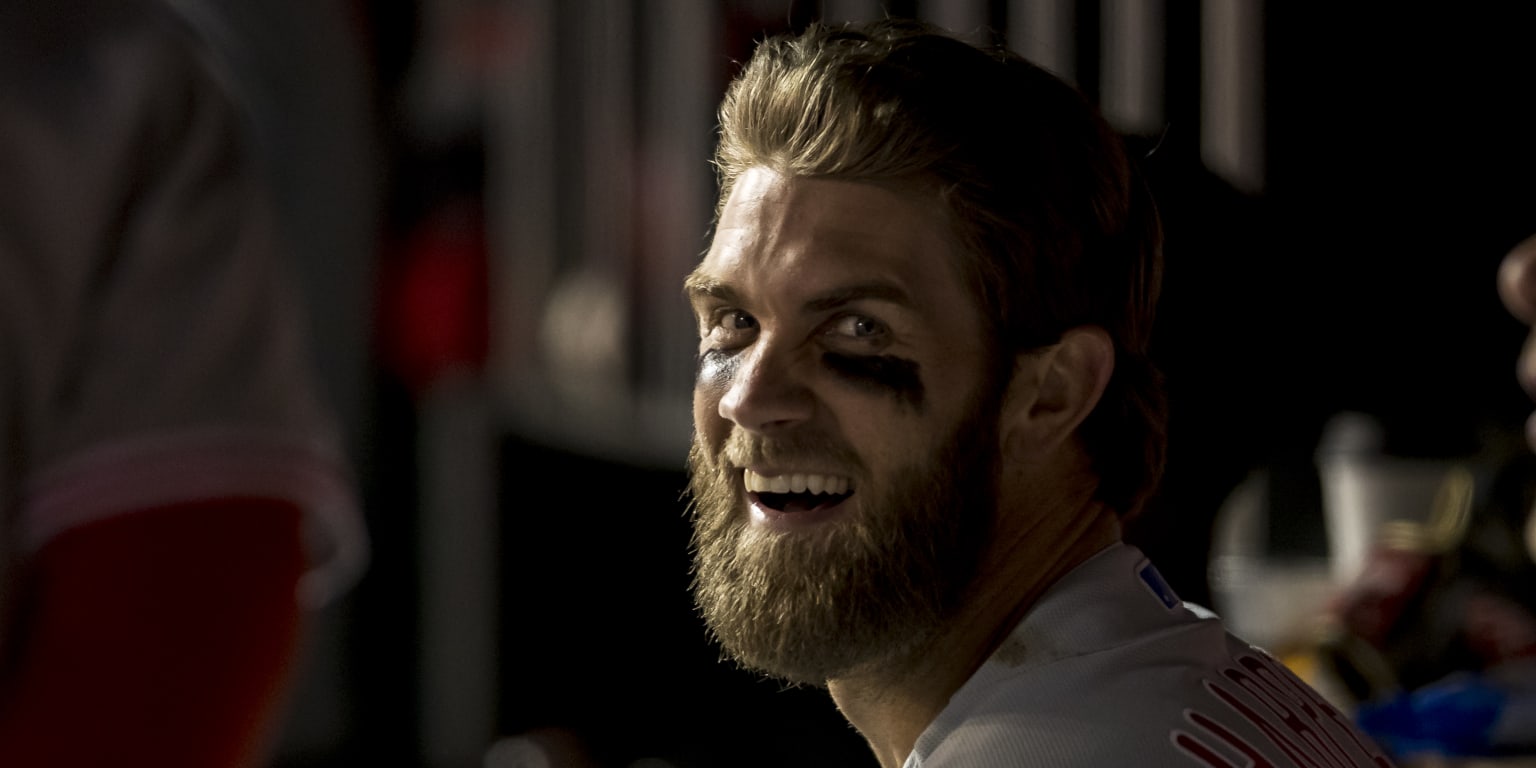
(1456, 717)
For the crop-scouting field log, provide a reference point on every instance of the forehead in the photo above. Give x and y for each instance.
(793, 232)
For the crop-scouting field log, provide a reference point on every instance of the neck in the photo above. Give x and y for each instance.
(893, 703)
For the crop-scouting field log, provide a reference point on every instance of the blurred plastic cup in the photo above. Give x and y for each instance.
(1370, 497)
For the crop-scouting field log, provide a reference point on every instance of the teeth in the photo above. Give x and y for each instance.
(798, 482)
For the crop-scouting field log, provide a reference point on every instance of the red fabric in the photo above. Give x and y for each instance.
(163, 638)
(434, 305)
(1374, 605)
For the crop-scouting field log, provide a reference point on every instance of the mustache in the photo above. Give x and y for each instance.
(743, 449)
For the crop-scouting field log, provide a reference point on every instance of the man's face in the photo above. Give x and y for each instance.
(845, 429)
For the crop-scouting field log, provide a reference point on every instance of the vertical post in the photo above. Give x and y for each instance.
(684, 74)
(459, 566)
(521, 195)
(1232, 93)
(840, 11)
(1045, 32)
(1131, 78)
(965, 18)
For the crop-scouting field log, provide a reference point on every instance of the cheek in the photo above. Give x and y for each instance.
(904, 436)
(706, 411)
(885, 375)
(715, 372)
(710, 384)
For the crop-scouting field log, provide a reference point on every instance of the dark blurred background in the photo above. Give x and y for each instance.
(496, 200)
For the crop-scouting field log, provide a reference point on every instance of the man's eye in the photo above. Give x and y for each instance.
(858, 327)
(728, 328)
(736, 320)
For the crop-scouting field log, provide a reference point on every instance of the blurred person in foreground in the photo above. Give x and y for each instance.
(174, 497)
(924, 408)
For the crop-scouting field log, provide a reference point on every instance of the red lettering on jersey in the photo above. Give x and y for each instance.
(1322, 749)
(1201, 752)
(1299, 722)
(1276, 736)
(1315, 706)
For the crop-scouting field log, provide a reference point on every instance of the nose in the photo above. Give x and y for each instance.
(766, 392)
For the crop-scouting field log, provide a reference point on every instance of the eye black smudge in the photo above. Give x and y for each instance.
(895, 376)
(716, 368)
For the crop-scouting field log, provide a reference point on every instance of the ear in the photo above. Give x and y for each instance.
(1053, 389)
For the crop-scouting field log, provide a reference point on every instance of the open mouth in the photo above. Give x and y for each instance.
(797, 491)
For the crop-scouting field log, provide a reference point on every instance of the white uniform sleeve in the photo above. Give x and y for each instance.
(152, 338)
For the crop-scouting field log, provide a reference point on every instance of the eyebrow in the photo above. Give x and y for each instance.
(698, 286)
(859, 292)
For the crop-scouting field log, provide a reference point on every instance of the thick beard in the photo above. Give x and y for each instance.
(863, 592)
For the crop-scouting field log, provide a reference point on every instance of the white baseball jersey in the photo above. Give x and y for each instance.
(151, 345)
(1111, 669)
